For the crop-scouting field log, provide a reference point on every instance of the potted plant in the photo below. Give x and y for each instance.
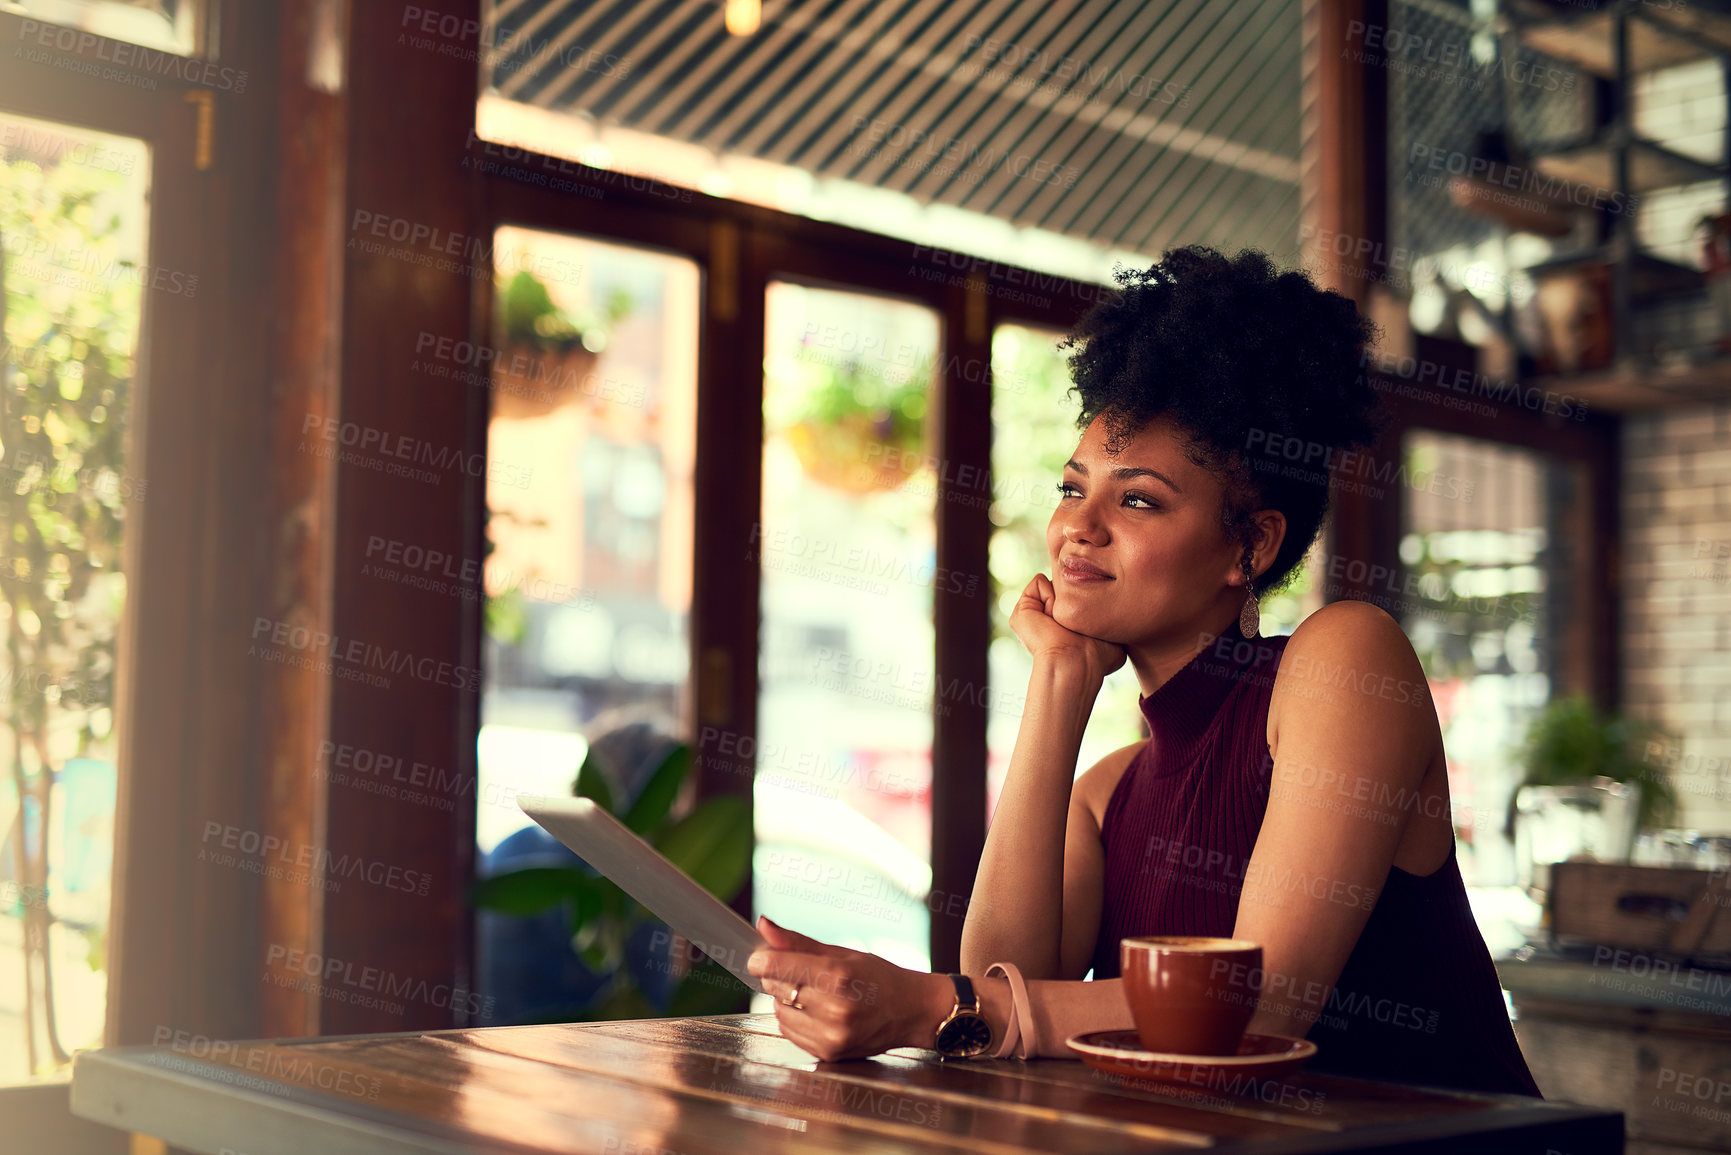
(712, 844)
(1587, 785)
(549, 355)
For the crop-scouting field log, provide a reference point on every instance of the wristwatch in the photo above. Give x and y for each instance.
(966, 1033)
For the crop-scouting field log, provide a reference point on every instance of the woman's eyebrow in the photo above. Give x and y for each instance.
(1126, 472)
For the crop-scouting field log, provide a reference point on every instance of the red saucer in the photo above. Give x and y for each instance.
(1258, 1057)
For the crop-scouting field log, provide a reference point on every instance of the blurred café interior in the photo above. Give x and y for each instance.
(406, 406)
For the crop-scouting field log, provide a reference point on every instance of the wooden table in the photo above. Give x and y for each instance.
(733, 1084)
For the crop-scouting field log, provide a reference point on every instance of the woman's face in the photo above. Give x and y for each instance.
(1148, 520)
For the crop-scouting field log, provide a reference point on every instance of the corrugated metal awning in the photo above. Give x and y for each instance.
(1130, 126)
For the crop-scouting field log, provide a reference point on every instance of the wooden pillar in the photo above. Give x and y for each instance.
(962, 618)
(1343, 197)
(411, 469)
(310, 139)
(728, 504)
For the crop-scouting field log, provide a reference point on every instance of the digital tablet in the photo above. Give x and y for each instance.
(641, 871)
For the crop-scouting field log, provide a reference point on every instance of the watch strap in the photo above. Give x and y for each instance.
(1012, 1028)
(966, 1000)
(1021, 1013)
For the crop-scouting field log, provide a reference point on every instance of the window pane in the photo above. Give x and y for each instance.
(588, 582)
(72, 223)
(175, 26)
(1484, 568)
(847, 547)
(1033, 434)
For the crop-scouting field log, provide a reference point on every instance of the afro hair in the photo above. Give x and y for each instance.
(1241, 357)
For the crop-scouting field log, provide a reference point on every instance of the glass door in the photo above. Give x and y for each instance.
(1494, 551)
(73, 216)
(847, 547)
(588, 579)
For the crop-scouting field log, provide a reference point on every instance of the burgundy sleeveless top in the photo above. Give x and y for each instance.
(1418, 1000)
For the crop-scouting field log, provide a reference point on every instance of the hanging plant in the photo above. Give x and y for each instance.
(549, 354)
(857, 430)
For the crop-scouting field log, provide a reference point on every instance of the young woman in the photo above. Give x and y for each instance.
(1294, 790)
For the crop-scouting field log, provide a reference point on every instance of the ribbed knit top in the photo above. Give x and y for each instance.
(1418, 1000)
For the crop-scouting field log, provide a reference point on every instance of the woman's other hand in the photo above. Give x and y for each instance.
(850, 1004)
(1040, 632)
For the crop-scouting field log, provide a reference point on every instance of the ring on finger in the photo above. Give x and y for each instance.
(792, 999)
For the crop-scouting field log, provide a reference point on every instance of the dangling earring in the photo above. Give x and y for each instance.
(1250, 617)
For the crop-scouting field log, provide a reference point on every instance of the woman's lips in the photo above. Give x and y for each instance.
(1081, 571)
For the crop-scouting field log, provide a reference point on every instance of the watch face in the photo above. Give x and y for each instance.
(964, 1036)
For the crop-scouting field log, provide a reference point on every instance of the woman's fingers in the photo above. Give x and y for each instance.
(780, 938)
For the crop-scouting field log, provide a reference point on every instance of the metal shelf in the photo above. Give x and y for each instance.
(1658, 37)
(1651, 165)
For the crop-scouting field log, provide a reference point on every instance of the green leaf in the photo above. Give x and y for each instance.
(592, 783)
(708, 990)
(625, 1002)
(505, 618)
(532, 890)
(656, 799)
(1572, 740)
(589, 909)
(713, 845)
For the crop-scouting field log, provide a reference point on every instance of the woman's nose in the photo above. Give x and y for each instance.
(1081, 526)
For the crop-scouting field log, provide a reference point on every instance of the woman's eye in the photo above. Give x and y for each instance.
(1146, 501)
(1065, 489)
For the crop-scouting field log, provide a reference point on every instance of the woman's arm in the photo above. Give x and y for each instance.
(1017, 910)
(1026, 879)
(852, 1004)
(1352, 731)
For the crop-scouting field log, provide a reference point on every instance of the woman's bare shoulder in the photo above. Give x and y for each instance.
(1093, 790)
(1347, 641)
(1350, 664)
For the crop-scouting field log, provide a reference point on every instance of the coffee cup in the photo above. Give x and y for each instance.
(1191, 995)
